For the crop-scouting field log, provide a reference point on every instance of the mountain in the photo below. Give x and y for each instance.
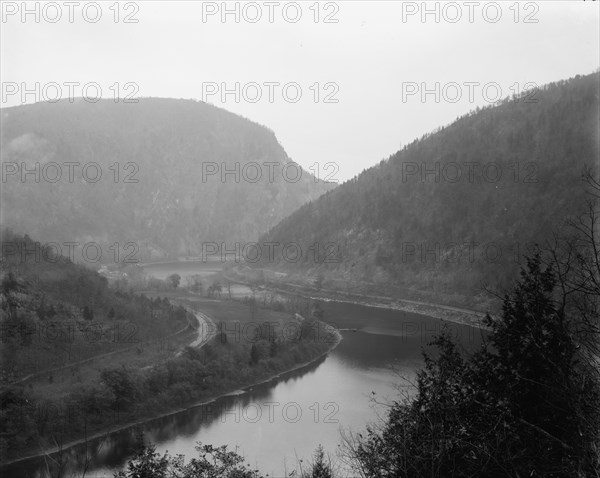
(145, 172)
(458, 208)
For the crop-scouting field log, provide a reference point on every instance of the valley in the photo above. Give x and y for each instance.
(410, 321)
(399, 337)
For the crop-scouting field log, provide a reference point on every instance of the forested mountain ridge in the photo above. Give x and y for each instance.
(459, 207)
(153, 189)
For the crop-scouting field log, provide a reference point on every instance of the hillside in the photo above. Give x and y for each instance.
(458, 208)
(151, 190)
(54, 313)
(80, 357)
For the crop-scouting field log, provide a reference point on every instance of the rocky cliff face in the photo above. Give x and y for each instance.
(167, 175)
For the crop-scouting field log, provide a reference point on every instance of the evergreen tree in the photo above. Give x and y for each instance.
(254, 354)
(88, 313)
(522, 406)
(320, 467)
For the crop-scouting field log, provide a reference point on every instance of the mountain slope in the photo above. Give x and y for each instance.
(54, 313)
(414, 222)
(152, 190)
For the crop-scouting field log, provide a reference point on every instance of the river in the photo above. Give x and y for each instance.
(275, 424)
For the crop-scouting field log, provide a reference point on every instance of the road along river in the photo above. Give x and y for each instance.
(276, 423)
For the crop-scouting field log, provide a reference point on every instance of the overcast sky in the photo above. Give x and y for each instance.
(362, 64)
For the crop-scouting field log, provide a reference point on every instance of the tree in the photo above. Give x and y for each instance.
(88, 313)
(42, 309)
(533, 369)
(309, 329)
(254, 354)
(212, 462)
(10, 285)
(122, 384)
(196, 285)
(214, 289)
(273, 347)
(577, 259)
(147, 464)
(524, 405)
(320, 467)
(51, 312)
(527, 403)
(174, 279)
(253, 288)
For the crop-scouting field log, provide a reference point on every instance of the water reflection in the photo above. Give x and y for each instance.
(275, 423)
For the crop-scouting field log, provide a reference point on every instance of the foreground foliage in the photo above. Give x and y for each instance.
(212, 462)
(524, 405)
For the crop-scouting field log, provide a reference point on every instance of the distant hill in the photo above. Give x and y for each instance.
(413, 222)
(154, 195)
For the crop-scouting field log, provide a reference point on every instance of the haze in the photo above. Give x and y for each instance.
(366, 56)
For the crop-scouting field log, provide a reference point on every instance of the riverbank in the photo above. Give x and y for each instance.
(457, 315)
(281, 375)
(140, 420)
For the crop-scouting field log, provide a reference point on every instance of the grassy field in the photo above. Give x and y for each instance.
(239, 319)
(57, 383)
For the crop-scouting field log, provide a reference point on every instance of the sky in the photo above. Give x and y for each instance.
(342, 84)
